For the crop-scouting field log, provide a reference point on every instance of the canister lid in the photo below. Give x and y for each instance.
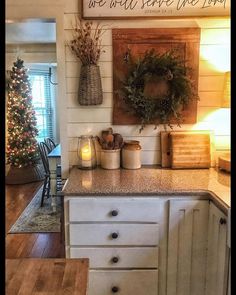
(132, 145)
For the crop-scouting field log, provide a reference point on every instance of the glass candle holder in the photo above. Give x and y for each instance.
(86, 152)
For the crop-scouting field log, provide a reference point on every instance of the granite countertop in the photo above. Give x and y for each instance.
(151, 180)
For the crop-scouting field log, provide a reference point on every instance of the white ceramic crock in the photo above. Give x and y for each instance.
(110, 159)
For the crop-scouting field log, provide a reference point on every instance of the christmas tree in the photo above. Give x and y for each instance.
(22, 148)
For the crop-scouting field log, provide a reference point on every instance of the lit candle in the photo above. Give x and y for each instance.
(86, 156)
(86, 152)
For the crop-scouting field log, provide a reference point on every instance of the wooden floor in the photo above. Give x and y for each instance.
(47, 245)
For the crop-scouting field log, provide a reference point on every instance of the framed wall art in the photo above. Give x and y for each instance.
(116, 9)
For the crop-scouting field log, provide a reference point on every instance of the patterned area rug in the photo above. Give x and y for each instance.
(36, 219)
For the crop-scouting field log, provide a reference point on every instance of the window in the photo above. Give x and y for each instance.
(42, 103)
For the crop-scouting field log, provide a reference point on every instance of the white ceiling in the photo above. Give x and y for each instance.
(37, 31)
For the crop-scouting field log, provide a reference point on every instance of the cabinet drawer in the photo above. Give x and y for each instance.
(114, 209)
(126, 234)
(118, 257)
(133, 282)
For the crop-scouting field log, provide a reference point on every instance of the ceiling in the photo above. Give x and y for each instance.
(30, 31)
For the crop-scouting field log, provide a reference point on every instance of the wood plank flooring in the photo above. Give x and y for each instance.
(56, 276)
(34, 245)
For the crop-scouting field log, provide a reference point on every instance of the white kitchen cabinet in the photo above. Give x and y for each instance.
(187, 247)
(121, 238)
(217, 254)
(162, 246)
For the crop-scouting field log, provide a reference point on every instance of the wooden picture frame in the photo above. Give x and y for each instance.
(186, 41)
(119, 9)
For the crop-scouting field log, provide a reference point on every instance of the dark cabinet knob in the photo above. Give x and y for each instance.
(223, 221)
(114, 235)
(114, 213)
(115, 259)
(115, 289)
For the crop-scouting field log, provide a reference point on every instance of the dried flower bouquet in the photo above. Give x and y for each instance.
(86, 43)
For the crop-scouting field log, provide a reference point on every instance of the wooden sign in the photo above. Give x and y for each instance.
(115, 9)
(186, 43)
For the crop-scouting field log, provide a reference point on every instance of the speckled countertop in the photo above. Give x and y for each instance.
(151, 180)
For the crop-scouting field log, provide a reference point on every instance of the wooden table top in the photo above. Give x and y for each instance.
(59, 276)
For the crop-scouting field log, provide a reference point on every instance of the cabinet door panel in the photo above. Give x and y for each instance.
(217, 266)
(187, 246)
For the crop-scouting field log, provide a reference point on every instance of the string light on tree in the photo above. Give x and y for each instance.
(21, 119)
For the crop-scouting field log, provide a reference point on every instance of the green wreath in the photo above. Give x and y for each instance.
(157, 87)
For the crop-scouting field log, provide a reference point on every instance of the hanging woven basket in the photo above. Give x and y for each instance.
(90, 85)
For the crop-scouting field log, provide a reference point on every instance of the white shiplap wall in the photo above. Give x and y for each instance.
(215, 37)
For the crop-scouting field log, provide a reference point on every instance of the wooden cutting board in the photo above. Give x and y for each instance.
(186, 149)
(190, 150)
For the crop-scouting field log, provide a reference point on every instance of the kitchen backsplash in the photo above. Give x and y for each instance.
(215, 36)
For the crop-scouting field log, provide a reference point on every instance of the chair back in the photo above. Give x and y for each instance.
(44, 150)
(50, 143)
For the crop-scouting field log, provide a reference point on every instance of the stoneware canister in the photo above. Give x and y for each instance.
(110, 159)
(131, 155)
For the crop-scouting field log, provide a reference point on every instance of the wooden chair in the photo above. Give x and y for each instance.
(44, 151)
(50, 143)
